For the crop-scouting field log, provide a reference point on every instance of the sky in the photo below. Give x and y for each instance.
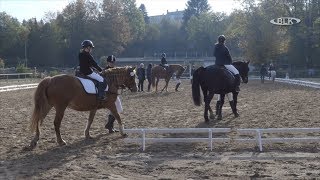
(26, 9)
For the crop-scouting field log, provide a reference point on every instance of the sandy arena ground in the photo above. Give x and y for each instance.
(106, 156)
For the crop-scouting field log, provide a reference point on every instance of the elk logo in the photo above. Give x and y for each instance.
(285, 21)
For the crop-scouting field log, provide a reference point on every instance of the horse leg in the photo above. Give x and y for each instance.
(157, 84)
(210, 97)
(116, 115)
(166, 86)
(233, 104)
(90, 120)
(57, 123)
(35, 140)
(220, 106)
(206, 105)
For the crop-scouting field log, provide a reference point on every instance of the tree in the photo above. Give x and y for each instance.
(135, 18)
(2, 63)
(195, 8)
(204, 29)
(143, 9)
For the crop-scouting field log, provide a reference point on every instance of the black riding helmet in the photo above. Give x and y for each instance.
(221, 39)
(163, 55)
(111, 59)
(87, 43)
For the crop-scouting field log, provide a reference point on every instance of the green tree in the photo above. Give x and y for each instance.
(143, 9)
(2, 63)
(135, 19)
(204, 29)
(195, 8)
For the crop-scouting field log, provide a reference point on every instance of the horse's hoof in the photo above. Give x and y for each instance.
(124, 135)
(88, 137)
(62, 143)
(206, 120)
(112, 130)
(219, 118)
(236, 115)
(33, 144)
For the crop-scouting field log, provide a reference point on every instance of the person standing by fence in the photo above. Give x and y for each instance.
(141, 76)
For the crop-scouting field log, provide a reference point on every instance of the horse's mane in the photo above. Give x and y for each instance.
(116, 70)
(117, 74)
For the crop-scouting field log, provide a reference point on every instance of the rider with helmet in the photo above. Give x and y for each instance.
(110, 62)
(164, 62)
(87, 64)
(223, 58)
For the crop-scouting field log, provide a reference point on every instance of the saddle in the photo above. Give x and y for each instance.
(90, 85)
(220, 68)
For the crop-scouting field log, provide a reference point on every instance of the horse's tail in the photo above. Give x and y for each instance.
(153, 79)
(196, 87)
(41, 104)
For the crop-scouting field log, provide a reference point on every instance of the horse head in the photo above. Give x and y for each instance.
(243, 68)
(121, 77)
(178, 69)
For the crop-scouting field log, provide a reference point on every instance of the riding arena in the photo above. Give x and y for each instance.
(290, 110)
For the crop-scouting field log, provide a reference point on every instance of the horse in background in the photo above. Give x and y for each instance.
(217, 80)
(159, 72)
(64, 91)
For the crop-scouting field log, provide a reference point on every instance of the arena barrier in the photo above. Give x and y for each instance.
(294, 81)
(252, 135)
(18, 87)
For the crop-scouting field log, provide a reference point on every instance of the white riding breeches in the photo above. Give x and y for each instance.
(96, 76)
(232, 69)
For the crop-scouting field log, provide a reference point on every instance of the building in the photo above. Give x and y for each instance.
(173, 16)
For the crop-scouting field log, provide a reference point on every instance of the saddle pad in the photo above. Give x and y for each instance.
(89, 86)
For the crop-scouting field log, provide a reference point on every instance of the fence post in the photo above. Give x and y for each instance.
(210, 139)
(259, 141)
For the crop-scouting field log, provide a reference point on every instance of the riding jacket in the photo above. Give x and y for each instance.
(163, 61)
(221, 52)
(86, 62)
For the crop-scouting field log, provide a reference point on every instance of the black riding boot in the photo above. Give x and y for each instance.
(177, 86)
(110, 124)
(234, 108)
(237, 82)
(101, 87)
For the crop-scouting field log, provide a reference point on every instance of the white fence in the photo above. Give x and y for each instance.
(255, 135)
(18, 75)
(296, 82)
(18, 87)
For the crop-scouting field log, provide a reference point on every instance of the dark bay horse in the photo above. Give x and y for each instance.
(64, 91)
(217, 80)
(158, 72)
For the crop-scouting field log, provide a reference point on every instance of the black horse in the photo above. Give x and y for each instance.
(217, 80)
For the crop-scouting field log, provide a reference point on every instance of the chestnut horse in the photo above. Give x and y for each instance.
(160, 73)
(64, 91)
